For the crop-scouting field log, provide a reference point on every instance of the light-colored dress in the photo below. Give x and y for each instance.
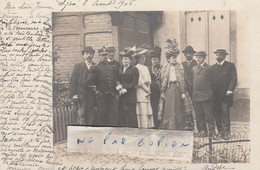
(143, 108)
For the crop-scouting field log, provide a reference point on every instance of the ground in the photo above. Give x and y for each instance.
(61, 154)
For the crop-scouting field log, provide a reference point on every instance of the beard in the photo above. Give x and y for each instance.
(89, 60)
(188, 58)
(219, 59)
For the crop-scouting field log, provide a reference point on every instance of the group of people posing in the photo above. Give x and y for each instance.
(131, 94)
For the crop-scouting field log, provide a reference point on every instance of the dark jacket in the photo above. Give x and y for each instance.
(78, 81)
(202, 87)
(188, 75)
(129, 81)
(224, 78)
(104, 76)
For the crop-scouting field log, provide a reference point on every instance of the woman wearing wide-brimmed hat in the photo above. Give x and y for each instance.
(175, 103)
(155, 69)
(128, 78)
(143, 92)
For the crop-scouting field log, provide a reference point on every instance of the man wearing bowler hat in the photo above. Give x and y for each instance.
(203, 96)
(224, 80)
(188, 76)
(187, 65)
(83, 95)
(103, 79)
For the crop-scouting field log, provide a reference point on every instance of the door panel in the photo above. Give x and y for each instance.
(196, 30)
(219, 33)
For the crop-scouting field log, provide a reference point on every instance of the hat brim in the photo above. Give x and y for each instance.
(220, 52)
(103, 53)
(200, 55)
(84, 51)
(188, 51)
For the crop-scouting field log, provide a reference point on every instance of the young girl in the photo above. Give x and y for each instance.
(175, 103)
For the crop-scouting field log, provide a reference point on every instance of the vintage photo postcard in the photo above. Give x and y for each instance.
(128, 84)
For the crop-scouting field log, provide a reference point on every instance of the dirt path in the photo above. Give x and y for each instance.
(61, 154)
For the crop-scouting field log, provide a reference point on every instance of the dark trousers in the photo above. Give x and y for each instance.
(107, 110)
(222, 116)
(86, 111)
(127, 114)
(204, 116)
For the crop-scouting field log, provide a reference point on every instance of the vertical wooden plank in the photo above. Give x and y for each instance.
(69, 115)
(63, 122)
(66, 121)
(56, 124)
(60, 124)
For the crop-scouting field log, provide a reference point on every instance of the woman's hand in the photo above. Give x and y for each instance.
(183, 96)
(162, 95)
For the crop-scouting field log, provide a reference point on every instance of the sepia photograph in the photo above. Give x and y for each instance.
(154, 72)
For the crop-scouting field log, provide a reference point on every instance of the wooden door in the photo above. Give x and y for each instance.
(219, 33)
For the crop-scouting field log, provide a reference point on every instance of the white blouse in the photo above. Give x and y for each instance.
(172, 77)
(144, 82)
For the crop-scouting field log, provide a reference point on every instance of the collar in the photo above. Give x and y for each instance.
(156, 66)
(202, 64)
(88, 64)
(221, 63)
(110, 60)
(126, 67)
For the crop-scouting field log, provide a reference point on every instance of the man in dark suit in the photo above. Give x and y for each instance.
(79, 92)
(203, 96)
(224, 80)
(103, 79)
(188, 77)
(187, 65)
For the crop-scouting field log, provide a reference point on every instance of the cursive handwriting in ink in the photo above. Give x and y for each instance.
(65, 3)
(215, 167)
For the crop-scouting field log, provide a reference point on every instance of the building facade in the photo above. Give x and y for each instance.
(208, 31)
(204, 30)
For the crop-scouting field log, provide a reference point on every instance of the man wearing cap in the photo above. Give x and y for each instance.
(203, 96)
(84, 96)
(103, 79)
(187, 65)
(102, 54)
(224, 80)
(155, 69)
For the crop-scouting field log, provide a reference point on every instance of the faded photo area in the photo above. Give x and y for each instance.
(178, 70)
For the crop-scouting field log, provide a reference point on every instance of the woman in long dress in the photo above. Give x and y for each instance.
(143, 92)
(128, 78)
(175, 103)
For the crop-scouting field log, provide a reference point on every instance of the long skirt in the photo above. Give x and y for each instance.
(173, 116)
(144, 115)
(127, 114)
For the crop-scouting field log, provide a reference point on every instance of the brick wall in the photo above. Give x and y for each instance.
(97, 41)
(72, 32)
(69, 52)
(67, 23)
(98, 23)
